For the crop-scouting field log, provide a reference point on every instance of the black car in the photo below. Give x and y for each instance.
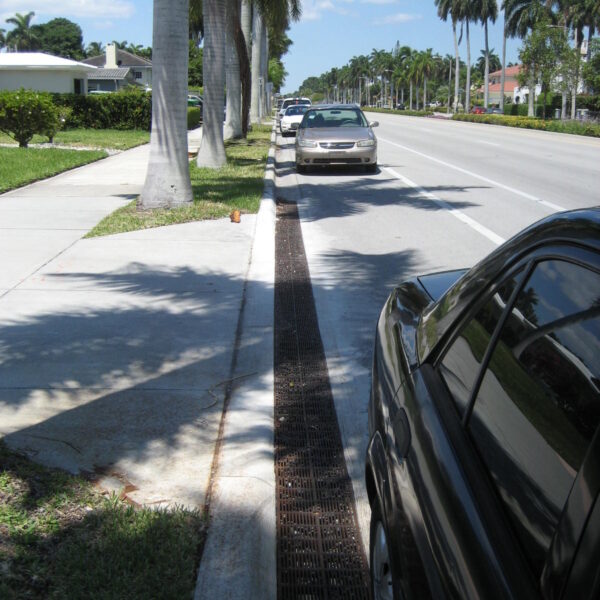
(483, 465)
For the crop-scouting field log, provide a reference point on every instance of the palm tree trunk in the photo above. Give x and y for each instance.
(411, 95)
(257, 34)
(503, 75)
(486, 95)
(531, 98)
(233, 112)
(578, 42)
(167, 181)
(449, 85)
(244, 65)
(212, 149)
(456, 67)
(425, 92)
(468, 84)
(264, 70)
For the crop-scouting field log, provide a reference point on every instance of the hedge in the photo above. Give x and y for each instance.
(127, 109)
(194, 117)
(407, 113)
(573, 127)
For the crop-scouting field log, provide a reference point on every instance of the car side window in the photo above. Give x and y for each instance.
(538, 405)
(462, 361)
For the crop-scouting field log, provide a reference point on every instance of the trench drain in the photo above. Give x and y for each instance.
(319, 549)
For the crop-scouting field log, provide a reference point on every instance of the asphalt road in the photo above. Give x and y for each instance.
(446, 194)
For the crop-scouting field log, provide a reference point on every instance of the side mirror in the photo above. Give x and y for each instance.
(374, 124)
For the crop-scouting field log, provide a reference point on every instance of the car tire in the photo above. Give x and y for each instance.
(382, 581)
(407, 580)
(371, 168)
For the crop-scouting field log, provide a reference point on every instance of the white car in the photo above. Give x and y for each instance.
(292, 101)
(291, 118)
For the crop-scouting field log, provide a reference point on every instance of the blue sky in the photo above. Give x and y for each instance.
(329, 34)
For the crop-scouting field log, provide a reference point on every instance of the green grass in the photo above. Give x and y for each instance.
(94, 138)
(19, 166)
(60, 538)
(217, 192)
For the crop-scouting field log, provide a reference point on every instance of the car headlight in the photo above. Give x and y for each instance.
(365, 143)
(306, 143)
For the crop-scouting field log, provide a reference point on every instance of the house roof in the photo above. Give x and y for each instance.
(111, 74)
(509, 72)
(39, 60)
(124, 59)
(509, 87)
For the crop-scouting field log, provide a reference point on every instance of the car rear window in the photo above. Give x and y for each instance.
(346, 117)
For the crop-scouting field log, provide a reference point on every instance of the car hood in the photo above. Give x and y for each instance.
(342, 134)
(292, 118)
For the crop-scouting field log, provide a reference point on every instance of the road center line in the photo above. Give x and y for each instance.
(476, 176)
(488, 233)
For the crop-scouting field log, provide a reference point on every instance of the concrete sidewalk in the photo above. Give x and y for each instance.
(116, 354)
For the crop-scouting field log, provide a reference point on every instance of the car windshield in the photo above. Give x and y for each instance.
(334, 117)
(293, 111)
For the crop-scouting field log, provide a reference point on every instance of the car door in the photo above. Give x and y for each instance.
(522, 372)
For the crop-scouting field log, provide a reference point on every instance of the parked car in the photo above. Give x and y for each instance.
(483, 465)
(291, 119)
(400, 106)
(194, 100)
(494, 110)
(292, 101)
(478, 110)
(336, 134)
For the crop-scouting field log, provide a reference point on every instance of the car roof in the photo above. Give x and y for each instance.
(574, 228)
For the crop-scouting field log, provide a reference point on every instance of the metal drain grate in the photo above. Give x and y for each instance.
(319, 550)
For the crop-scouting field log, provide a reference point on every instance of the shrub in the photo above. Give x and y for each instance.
(126, 109)
(63, 113)
(572, 127)
(406, 113)
(24, 113)
(194, 117)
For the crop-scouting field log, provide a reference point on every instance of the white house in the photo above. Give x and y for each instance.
(43, 72)
(117, 69)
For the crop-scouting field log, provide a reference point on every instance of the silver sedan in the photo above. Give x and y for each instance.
(336, 135)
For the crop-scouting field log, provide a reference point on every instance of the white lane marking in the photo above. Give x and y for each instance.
(487, 143)
(476, 176)
(488, 233)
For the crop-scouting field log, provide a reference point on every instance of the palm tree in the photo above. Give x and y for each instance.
(233, 112)
(212, 149)
(451, 8)
(487, 11)
(94, 49)
(22, 36)
(520, 17)
(427, 65)
(495, 62)
(167, 182)
(468, 12)
(503, 74)
(121, 45)
(2, 38)
(135, 49)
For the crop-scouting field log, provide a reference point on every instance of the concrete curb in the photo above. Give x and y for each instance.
(239, 558)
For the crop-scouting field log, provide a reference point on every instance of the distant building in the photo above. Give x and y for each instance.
(518, 94)
(117, 69)
(43, 73)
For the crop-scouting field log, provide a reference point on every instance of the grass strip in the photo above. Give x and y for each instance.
(61, 538)
(404, 113)
(114, 139)
(217, 192)
(19, 166)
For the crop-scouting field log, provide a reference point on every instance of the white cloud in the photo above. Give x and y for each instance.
(397, 18)
(312, 10)
(115, 9)
(379, 1)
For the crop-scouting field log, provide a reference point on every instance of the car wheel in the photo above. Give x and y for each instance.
(382, 583)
